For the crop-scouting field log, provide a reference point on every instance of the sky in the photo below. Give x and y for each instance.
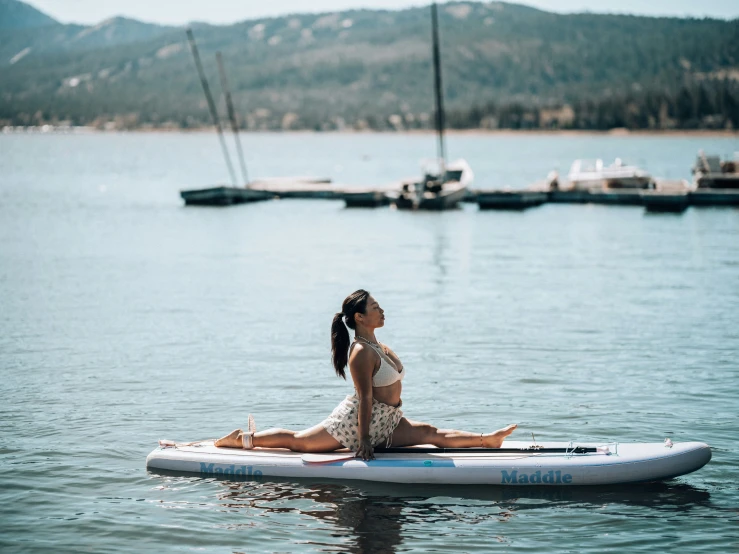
(177, 12)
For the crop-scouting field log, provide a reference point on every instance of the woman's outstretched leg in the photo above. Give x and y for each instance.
(232, 440)
(410, 433)
(315, 439)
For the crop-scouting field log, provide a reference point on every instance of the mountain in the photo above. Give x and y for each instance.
(17, 15)
(357, 66)
(56, 39)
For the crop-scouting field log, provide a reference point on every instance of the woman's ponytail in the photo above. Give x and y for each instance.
(355, 303)
(339, 344)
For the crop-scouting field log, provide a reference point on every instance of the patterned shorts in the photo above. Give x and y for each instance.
(342, 424)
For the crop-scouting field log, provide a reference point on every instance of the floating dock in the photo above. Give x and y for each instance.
(714, 197)
(660, 201)
(368, 198)
(222, 196)
(299, 187)
(509, 200)
(669, 196)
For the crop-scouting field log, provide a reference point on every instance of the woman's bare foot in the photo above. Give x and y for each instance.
(232, 440)
(495, 440)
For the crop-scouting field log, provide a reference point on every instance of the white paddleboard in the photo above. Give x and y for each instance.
(604, 464)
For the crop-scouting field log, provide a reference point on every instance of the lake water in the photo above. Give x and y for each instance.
(126, 317)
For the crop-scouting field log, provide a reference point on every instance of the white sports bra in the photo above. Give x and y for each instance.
(386, 375)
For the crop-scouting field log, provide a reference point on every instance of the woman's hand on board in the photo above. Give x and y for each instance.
(365, 451)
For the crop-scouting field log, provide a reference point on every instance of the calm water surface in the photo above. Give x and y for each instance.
(126, 318)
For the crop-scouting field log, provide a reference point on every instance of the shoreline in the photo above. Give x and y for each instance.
(618, 132)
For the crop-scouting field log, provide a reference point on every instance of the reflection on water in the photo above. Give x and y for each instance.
(370, 517)
(369, 524)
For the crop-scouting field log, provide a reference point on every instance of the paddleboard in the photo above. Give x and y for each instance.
(519, 463)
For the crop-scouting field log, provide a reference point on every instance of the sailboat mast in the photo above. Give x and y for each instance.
(211, 103)
(232, 116)
(437, 87)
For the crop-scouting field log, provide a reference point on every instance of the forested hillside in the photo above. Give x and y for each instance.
(504, 65)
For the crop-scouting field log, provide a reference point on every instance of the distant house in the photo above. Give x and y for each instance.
(557, 118)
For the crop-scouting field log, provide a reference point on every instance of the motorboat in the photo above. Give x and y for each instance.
(711, 172)
(588, 174)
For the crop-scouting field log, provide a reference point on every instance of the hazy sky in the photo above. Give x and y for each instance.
(177, 12)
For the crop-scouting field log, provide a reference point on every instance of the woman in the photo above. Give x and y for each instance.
(372, 416)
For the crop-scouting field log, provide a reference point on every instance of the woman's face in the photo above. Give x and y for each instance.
(374, 316)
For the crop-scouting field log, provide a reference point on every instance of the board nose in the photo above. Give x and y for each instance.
(700, 454)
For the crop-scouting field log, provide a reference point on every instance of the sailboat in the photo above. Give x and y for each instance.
(225, 195)
(443, 184)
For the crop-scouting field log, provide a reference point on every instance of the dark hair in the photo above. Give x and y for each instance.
(355, 303)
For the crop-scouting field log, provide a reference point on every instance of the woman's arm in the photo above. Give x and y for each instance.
(362, 365)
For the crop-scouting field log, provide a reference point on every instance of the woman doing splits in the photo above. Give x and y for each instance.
(372, 416)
